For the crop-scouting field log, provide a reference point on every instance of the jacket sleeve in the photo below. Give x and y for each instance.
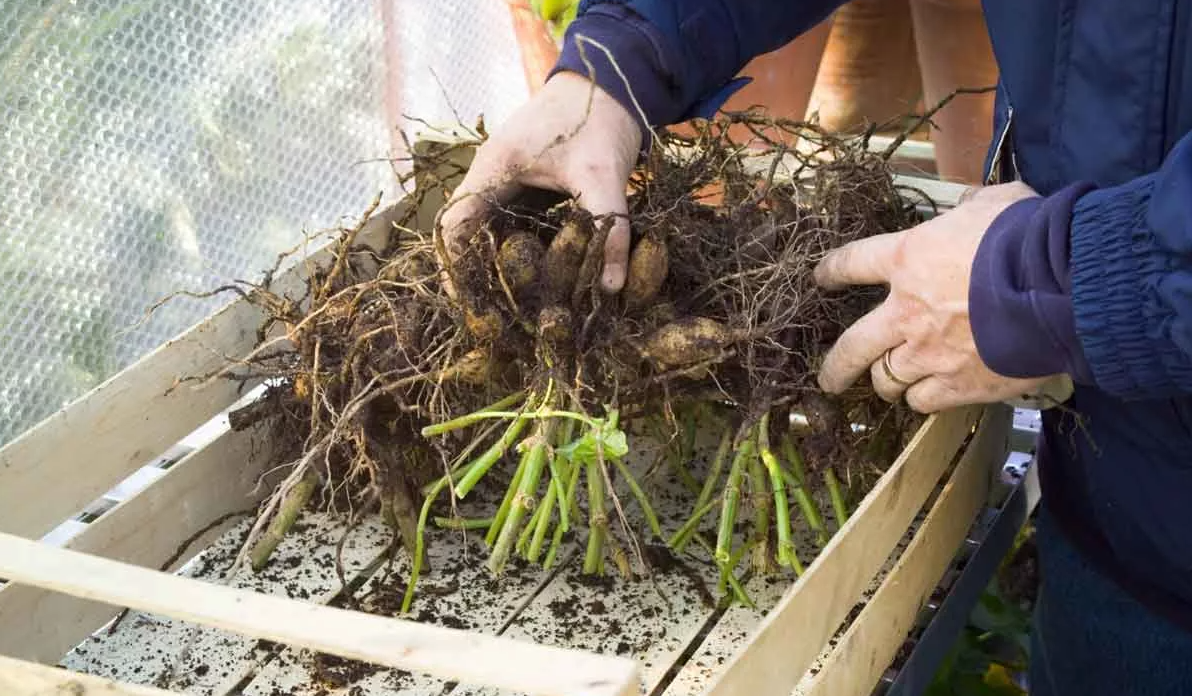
(670, 60)
(1103, 276)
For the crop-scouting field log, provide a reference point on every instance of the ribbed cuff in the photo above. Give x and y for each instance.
(1114, 263)
(1020, 291)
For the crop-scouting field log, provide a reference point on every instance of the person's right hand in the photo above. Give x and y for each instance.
(555, 142)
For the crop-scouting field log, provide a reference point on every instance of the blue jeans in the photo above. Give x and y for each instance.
(1091, 638)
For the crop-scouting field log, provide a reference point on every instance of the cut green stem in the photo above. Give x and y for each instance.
(838, 505)
(568, 503)
(597, 520)
(420, 541)
(638, 493)
(679, 539)
(485, 461)
(807, 506)
(506, 502)
(287, 513)
(782, 518)
(728, 509)
(460, 523)
(535, 463)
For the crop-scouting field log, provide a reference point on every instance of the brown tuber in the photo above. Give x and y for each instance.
(554, 324)
(563, 259)
(647, 271)
(519, 261)
(687, 341)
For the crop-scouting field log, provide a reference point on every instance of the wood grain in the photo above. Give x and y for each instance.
(450, 653)
(872, 641)
(19, 678)
(147, 529)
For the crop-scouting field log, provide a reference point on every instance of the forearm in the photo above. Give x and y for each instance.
(669, 60)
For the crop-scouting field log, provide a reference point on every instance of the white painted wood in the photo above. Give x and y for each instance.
(872, 641)
(18, 678)
(147, 529)
(132, 417)
(456, 590)
(773, 660)
(193, 659)
(400, 644)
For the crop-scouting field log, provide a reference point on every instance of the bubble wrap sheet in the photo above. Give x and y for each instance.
(150, 146)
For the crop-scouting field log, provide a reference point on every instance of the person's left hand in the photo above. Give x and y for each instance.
(924, 321)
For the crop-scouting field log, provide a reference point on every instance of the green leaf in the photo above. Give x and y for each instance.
(587, 448)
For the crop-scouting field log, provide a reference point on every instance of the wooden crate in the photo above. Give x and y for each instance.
(833, 631)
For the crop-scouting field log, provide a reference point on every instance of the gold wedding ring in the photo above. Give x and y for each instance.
(890, 370)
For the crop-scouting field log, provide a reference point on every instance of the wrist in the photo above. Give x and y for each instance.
(1020, 299)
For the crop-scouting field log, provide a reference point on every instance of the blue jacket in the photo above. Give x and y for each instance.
(1095, 99)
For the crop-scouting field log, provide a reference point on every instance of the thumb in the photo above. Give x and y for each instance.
(608, 200)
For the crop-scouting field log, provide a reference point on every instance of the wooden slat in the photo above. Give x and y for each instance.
(772, 662)
(174, 654)
(72, 457)
(454, 654)
(147, 529)
(19, 678)
(872, 641)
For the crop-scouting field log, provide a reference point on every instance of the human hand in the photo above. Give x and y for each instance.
(924, 321)
(555, 142)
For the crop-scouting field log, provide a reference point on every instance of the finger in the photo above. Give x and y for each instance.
(487, 183)
(932, 395)
(864, 262)
(902, 364)
(858, 347)
(601, 191)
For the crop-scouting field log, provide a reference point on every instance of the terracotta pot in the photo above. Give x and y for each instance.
(869, 73)
(954, 51)
(539, 50)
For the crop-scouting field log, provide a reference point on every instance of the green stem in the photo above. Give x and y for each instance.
(420, 542)
(782, 516)
(761, 499)
(568, 503)
(535, 459)
(506, 502)
(731, 580)
(838, 504)
(558, 472)
(807, 506)
(485, 461)
(287, 513)
(679, 539)
(597, 520)
(726, 441)
(542, 524)
(459, 523)
(792, 456)
(523, 539)
(473, 418)
(728, 510)
(638, 493)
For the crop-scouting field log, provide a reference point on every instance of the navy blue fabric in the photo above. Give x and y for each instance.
(1020, 290)
(1091, 638)
(1095, 94)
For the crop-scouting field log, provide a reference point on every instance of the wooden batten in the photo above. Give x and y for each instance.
(456, 654)
(783, 647)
